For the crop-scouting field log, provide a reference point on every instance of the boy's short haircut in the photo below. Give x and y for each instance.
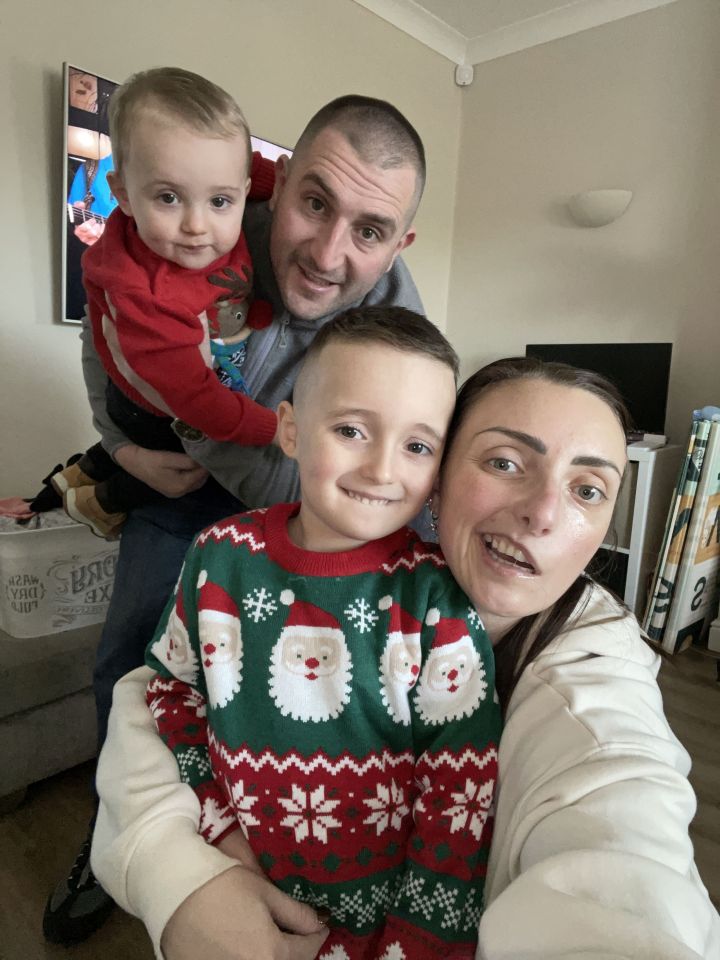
(394, 327)
(378, 133)
(184, 97)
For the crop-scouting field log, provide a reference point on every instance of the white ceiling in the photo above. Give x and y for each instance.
(472, 31)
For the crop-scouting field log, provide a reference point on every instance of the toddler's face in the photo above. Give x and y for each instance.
(186, 191)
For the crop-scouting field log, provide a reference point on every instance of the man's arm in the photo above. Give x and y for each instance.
(95, 385)
(172, 474)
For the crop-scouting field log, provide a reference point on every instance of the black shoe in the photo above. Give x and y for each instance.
(78, 906)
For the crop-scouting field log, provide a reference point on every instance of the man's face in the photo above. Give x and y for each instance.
(338, 224)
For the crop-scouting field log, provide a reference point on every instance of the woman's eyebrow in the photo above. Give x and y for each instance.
(596, 462)
(535, 443)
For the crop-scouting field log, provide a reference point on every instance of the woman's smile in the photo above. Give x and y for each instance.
(508, 553)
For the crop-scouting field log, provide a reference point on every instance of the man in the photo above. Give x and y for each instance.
(341, 213)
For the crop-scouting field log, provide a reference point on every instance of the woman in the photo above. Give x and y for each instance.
(591, 853)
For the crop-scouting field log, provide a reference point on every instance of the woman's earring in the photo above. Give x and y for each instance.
(433, 516)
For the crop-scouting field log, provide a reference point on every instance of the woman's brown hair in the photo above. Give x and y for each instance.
(532, 634)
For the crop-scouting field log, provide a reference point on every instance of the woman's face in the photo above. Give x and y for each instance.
(526, 495)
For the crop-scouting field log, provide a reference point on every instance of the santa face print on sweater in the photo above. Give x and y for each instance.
(220, 638)
(399, 670)
(221, 646)
(173, 647)
(310, 669)
(400, 660)
(452, 684)
(310, 675)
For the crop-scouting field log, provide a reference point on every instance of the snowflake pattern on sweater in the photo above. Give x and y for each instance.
(339, 709)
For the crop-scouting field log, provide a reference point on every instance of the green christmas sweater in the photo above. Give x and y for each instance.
(339, 708)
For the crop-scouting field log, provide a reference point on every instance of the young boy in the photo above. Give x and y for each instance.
(169, 279)
(323, 682)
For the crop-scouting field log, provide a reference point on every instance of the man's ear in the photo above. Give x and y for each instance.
(115, 182)
(281, 175)
(402, 243)
(287, 429)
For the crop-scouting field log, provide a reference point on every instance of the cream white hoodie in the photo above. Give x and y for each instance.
(591, 855)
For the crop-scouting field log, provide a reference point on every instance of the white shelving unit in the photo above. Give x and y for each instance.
(640, 515)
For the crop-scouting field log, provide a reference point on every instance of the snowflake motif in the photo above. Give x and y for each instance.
(259, 604)
(474, 618)
(242, 804)
(336, 952)
(394, 952)
(361, 611)
(214, 819)
(309, 812)
(388, 808)
(472, 805)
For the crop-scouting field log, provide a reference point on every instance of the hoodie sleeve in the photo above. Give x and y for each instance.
(591, 853)
(147, 852)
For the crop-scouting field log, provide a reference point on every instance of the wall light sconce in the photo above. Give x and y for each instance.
(596, 208)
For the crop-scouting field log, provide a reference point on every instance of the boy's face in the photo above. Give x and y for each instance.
(185, 191)
(367, 431)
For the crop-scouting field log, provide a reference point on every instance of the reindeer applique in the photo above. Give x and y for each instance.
(231, 320)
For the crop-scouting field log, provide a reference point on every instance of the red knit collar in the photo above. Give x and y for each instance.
(365, 559)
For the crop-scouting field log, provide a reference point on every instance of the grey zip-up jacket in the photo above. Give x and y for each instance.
(258, 476)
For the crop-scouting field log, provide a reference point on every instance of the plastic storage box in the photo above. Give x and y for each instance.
(54, 579)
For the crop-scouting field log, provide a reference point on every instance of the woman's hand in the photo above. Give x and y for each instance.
(235, 845)
(242, 916)
(172, 474)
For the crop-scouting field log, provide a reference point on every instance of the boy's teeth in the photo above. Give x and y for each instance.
(370, 501)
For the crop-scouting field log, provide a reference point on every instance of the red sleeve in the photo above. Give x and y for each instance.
(160, 350)
(262, 177)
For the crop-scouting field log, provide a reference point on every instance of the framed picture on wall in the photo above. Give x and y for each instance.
(87, 153)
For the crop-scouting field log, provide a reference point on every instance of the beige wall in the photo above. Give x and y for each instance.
(632, 104)
(281, 58)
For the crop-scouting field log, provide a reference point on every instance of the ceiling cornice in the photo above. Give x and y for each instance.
(419, 23)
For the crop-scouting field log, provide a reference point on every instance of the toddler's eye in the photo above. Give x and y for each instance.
(220, 202)
(168, 198)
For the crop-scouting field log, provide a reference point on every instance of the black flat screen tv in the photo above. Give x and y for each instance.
(641, 371)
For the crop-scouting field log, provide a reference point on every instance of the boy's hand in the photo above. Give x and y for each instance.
(240, 916)
(172, 474)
